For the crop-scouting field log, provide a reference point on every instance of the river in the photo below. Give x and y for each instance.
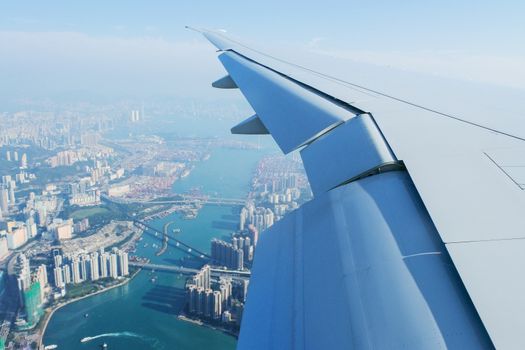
(141, 314)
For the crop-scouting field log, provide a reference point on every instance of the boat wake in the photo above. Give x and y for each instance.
(120, 334)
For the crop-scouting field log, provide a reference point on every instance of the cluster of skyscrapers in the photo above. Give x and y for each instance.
(50, 130)
(89, 267)
(7, 195)
(86, 191)
(42, 207)
(232, 255)
(272, 207)
(32, 281)
(284, 182)
(135, 116)
(225, 298)
(14, 234)
(210, 300)
(32, 287)
(65, 158)
(260, 217)
(22, 159)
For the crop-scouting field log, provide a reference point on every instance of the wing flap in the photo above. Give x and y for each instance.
(357, 268)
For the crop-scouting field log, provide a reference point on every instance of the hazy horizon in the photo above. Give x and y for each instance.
(142, 50)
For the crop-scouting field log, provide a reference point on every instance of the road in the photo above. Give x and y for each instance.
(190, 271)
(185, 199)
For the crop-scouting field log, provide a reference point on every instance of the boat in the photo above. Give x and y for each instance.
(104, 346)
(50, 347)
(86, 315)
(85, 339)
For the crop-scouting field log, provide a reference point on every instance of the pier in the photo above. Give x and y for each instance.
(165, 239)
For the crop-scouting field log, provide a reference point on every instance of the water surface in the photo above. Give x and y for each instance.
(143, 314)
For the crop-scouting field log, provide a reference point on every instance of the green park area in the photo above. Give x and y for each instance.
(80, 214)
(98, 216)
(101, 215)
(82, 289)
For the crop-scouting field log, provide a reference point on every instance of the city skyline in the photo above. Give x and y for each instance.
(80, 178)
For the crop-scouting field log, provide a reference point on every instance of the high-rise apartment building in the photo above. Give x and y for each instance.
(113, 265)
(123, 263)
(94, 268)
(67, 274)
(4, 249)
(227, 254)
(217, 305)
(59, 277)
(4, 200)
(23, 161)
(75, 269)
(104, 261)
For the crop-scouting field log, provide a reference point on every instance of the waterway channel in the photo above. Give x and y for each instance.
(143, 314)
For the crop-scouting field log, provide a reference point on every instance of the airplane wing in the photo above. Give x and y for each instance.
(416, 235)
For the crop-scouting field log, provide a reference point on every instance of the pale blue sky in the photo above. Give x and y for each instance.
(142, 48)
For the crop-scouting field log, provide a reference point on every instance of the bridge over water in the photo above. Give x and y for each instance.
(216, 272)
(188, 270)
(216, 201)
(186, 199)
(179, 244)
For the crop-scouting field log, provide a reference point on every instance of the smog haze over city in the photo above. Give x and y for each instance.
(129, 214)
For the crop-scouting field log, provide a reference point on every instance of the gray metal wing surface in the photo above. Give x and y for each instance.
(416, 235)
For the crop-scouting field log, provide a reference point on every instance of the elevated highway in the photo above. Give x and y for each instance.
(190, 271)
